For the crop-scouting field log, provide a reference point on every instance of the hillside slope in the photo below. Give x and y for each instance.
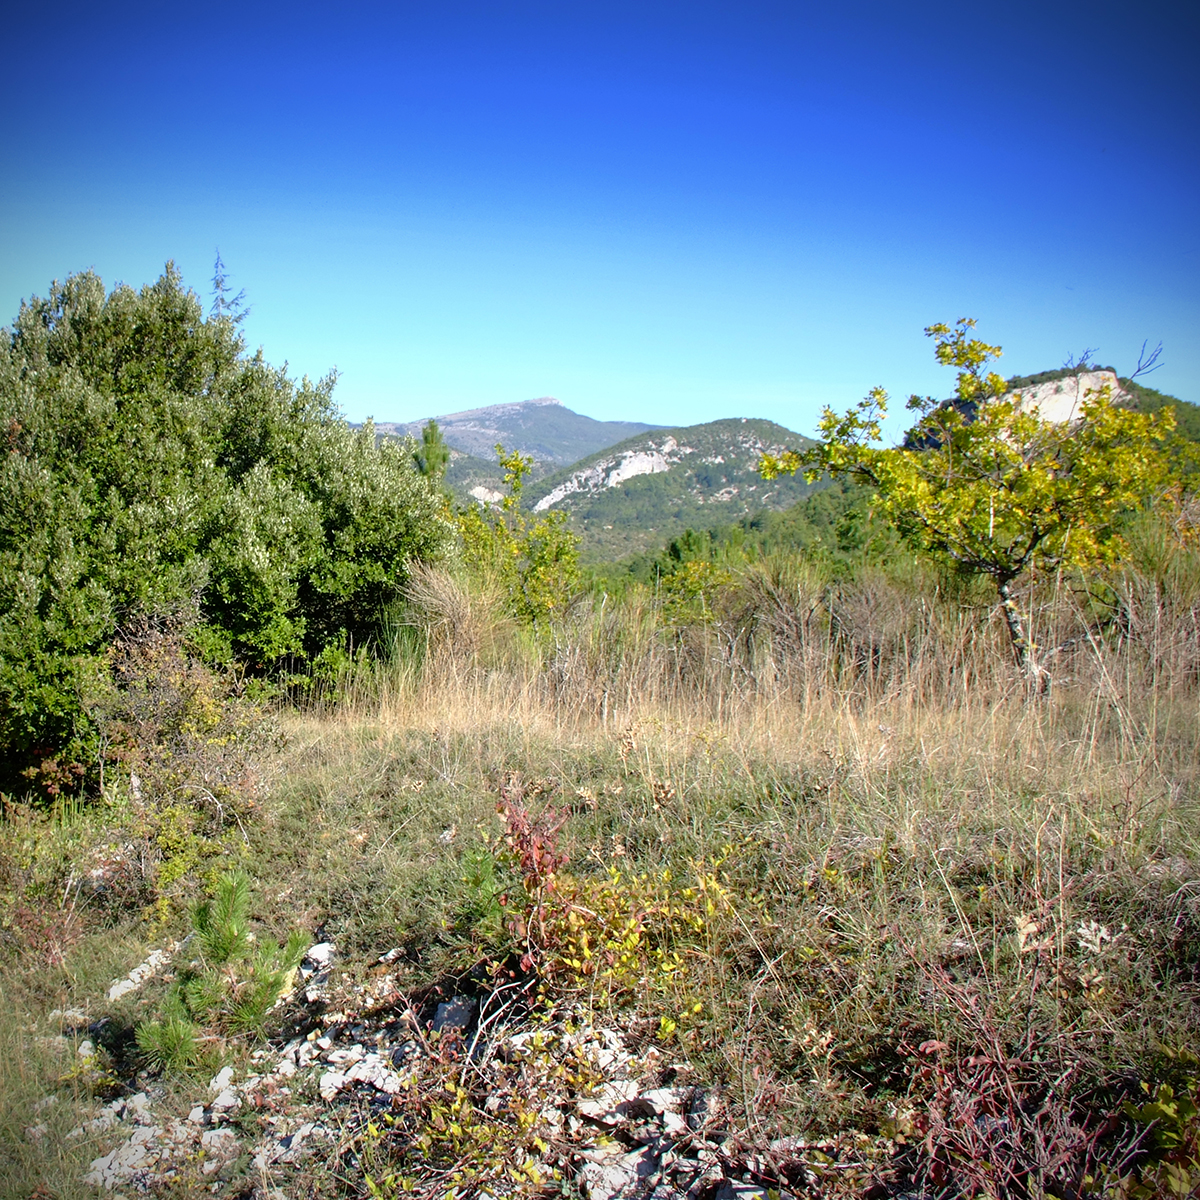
(648, 488)
(1127, 391)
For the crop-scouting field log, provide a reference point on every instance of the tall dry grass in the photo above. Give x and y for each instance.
(1123, 649)
(890, 807)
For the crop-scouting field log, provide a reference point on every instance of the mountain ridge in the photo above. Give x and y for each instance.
(544, 428)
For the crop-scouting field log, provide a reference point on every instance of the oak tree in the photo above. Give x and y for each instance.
(984, 483)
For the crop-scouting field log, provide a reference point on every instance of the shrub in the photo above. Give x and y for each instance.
(535, 561)
(152, 466)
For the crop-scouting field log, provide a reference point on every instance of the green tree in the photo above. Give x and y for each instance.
(152, 466)
(988, 486)
(536, 561)
(432, 457)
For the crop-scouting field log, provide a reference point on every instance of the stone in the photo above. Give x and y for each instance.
(331, 1083)
(289, 1147)
(196, 1116)
(456, 1014)
(226, 1101)
(373, 1070)
(320, 955)
(604, 1106)
(674, 1125)
(221, 1080)
(666, 1099)
(612, 1173)
(731, 1190)
(139, 974)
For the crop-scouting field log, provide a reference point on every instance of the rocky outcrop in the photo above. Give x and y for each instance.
(1061, 400)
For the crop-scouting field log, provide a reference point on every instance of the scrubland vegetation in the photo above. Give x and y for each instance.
(799, 827)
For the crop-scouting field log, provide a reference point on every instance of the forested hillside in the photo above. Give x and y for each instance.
(645, 489)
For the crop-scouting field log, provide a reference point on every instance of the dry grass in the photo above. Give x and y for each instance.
(938, 888)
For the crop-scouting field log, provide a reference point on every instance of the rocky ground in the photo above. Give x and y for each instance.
(551, 1095)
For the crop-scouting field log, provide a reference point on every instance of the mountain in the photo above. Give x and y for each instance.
(635, 495)
(544, 429)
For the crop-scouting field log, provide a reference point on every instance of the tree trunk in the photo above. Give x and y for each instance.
(1036, 675)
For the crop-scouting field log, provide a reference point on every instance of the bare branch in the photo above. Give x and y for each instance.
(1146, 365)
(1080, 364)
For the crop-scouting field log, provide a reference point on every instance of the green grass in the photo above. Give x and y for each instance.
(905, 864)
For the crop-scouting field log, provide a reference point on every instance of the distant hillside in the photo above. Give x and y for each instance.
(1136, 395)
(551, 433)
(1058, 394)
(635, 495)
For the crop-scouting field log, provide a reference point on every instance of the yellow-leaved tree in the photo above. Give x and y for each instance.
(536, 560)
(984, 483)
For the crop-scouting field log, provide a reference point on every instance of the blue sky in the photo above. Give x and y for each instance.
(659, 211)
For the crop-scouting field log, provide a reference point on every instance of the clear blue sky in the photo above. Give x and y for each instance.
(662, 211)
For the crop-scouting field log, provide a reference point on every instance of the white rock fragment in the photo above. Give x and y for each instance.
(320, 955)
(731, 1190)
(221, 1080)
(373, 1069)
(603, 1106)
(674, 1125)
(139, 974)
(153, 1151)
(331, 1083)
(665, 1099)
(611, 1173)
(289, 1147)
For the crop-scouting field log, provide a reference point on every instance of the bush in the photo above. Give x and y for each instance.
(152, 467)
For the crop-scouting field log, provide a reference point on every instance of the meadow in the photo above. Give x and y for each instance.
(802, 836)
